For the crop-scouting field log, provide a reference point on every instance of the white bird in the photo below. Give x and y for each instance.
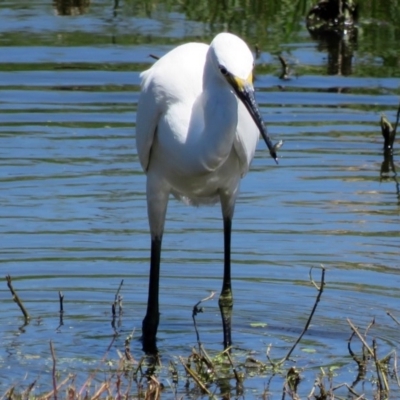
(197, 129)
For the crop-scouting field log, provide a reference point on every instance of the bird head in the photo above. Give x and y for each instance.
(235, 62)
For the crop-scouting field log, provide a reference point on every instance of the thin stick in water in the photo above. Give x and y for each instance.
(197, 310)
(17, 299)
(61, 297)
(320, 289)
(53, 356)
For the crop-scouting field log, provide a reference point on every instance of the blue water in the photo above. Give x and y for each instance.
(73, 214)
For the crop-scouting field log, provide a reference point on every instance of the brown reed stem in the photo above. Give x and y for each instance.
(53, 356)
(320, 289)
(17, 299)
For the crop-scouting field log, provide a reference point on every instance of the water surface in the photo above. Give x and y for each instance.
(72, 205)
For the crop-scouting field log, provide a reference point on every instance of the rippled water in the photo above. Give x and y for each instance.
(73, 213)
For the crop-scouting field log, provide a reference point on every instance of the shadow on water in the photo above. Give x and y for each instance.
(340, 47)
(71, 7)
(388, 169)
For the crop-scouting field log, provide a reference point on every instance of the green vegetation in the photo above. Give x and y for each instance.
(265, 24)
(224, 374)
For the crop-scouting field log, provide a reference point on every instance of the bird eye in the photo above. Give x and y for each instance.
(223, 70)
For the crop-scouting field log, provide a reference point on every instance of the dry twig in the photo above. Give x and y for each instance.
(53, 356)
(355, 330)
(91, 376)
(17, 299)
(61, 299)
(197, 310)
(320, 289)
(195, 377)
(50, 394)
(285, 74)
(393, 317)
(239, 380)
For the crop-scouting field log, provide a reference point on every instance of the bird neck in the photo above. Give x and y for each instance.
(219, 108)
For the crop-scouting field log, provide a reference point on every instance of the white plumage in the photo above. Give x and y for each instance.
(197, 129)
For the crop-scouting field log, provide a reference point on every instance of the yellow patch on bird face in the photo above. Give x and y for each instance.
(240, 83)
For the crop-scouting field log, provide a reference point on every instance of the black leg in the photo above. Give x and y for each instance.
(150, 321)
(226, 298)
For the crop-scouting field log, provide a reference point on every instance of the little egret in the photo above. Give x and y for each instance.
(197, 128)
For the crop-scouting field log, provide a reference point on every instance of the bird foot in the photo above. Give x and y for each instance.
(225, 305)
(149, 333)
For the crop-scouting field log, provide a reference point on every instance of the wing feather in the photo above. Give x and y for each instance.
(162, 87)
(147, 117)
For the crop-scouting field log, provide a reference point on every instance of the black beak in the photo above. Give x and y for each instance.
(245, 92)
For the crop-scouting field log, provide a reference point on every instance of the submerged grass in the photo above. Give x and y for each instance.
(198, 375)
(221, 375)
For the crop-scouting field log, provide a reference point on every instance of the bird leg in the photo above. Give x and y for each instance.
(150, 321)
(226, 299)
